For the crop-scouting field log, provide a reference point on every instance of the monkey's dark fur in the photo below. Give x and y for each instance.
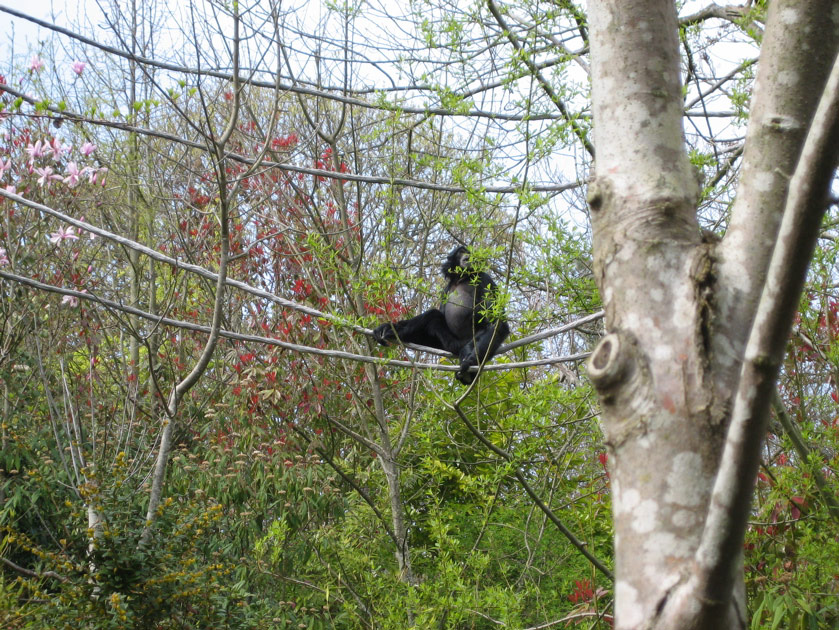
(465, 325)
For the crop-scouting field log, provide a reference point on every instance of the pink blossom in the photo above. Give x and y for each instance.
(73, 174)
(5, 166)
(12, 189)
(4, 260)
(68, 233)
(39, 149)
(57, 148)
(70, 300)
(36, 64)
(90, 172)
(46, 175)
(87, 148)
(78, 67)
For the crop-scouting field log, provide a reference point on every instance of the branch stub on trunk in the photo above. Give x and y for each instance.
(608, 364)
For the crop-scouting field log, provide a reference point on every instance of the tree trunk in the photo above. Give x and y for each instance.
(680, 305)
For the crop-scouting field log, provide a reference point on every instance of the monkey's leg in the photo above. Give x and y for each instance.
(482, 348)
(427, 329)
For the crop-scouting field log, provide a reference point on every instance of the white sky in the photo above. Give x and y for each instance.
(25, 33)
(21, 37)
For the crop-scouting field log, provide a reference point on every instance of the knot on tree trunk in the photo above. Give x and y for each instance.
(609, 364)
(621, 377)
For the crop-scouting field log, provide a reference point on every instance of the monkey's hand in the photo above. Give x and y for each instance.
(385, 334)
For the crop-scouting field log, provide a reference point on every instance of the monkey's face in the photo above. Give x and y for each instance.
(459, 257)
(457, 263)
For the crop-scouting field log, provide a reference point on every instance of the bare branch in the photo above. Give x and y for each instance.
(438, 111)
(335, 354)
(551, 332)
(33, 574)
(178, 264)
(730, 13)
(293, 168)
(545, 85)
(217, 148)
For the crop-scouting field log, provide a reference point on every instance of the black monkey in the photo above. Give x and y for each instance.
(464, 325)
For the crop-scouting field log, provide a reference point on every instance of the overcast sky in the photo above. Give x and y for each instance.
(26, 34)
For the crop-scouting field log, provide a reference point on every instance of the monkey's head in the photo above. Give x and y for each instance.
(457, 262)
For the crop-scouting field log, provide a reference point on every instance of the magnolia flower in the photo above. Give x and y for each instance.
(101, 175)
(12, 189)
(36, 64)
(87, 148)
(78, 67)
(5, 166)
(70, 300)
(45, 175)
(73, 174)
(4, 260)
(39, 149)
(68, 233)
(57, 149)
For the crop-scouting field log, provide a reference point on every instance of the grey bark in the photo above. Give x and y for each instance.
(681, 307)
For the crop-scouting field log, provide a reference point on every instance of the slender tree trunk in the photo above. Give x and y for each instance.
(400, 529)
(388, 462)
(133, 210)
(217, 150)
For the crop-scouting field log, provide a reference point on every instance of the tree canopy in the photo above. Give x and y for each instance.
(205, 208)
